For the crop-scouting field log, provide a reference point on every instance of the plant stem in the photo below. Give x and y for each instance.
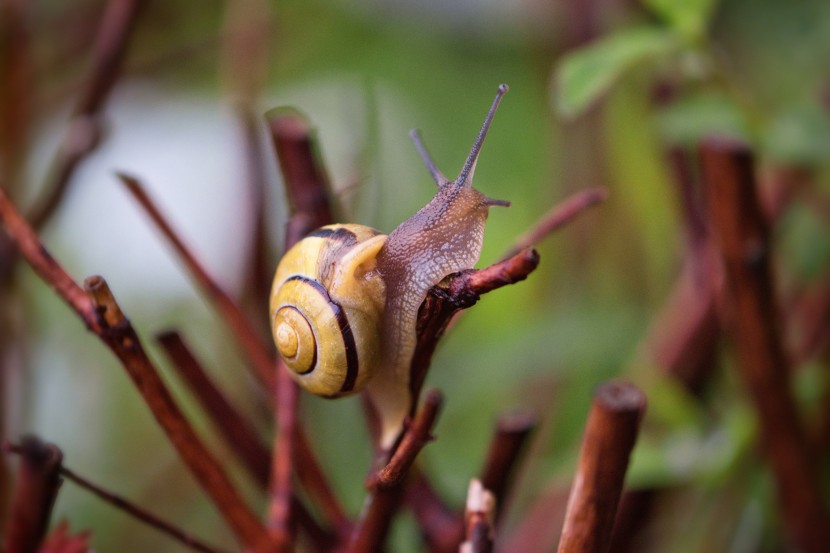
(613, 424)
(558, 216)
(232, 426)
(120, 336)
(38, 481)
(509, 438)
(742, 236)
(257, 353)
(84, 131)
(139, 513)
(387, 487)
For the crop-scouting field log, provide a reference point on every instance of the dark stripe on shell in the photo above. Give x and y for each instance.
(345, 332)
(339, 234)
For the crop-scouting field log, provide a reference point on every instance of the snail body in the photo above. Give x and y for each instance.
(345, 299)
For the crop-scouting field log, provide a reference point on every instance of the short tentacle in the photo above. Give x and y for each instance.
(434, 171)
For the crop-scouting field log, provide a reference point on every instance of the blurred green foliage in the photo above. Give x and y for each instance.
(365, 74)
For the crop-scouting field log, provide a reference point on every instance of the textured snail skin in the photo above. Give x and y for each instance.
(442, 238)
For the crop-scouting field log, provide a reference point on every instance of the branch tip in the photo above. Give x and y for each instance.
(104, 301)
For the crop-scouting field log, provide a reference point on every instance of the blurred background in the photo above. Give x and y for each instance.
(601, 92)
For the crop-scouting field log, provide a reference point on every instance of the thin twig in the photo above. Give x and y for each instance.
(417, 435)
(228, 420)
(461, 292)
(95, 310)
(283, 459)
(306, 188)
(108, 52)
(683, 338)
(540, 527)
(139, 513)
(509, 437)
(246, 33)
(25, 449)
(252, 346)
(382, 503)
(743, 238)
(260, 267)
(38, 481)
(310, 474)
(16, 98)
(691, 204)
(442, 529)
(305, 179)
(479, 514)
(613, 424)
(558, 216)
(27, 242)
(120, 336)
(321, 539)
(315, 482)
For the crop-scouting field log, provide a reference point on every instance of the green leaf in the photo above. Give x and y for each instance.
(585, 74)
(799, 135)
(691, 118)
(688, 17)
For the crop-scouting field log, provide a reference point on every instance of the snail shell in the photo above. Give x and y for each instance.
(327, 302)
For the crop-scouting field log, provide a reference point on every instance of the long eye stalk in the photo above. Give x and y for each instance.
(469, 165)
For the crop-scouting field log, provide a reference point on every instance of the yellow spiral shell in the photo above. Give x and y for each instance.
(326, 309)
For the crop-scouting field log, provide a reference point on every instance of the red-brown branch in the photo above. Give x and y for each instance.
(139, 513)
(260, 268)
(479, 515)
(310, 474)
(306, 188)
(103, 316)
(282, 463)
(508, 440)
(558, 216)
(743, 238)
(305, 179)
(461, 292)
(417, 435)
(257, 353)
(28, 244)
(610, 434)
(33, 447)
(316, 485)
(388, 485)
(683, 337)
(442, 529)
(118, 334)
(231, 424)
(38, 481)
(541, 526)
(82, 137)
(16, 98)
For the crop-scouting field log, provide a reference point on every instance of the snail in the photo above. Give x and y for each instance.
(345, 299)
